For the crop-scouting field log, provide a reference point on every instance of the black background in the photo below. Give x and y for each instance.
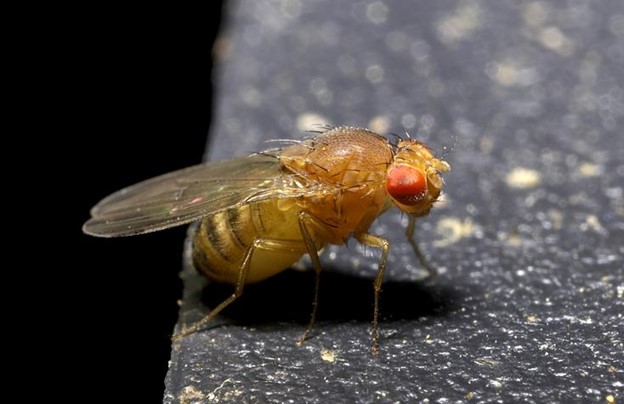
(143, 101)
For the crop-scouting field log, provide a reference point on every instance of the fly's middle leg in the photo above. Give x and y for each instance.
(267, 244)
(371, 240)
(305, 220)
(409, 233)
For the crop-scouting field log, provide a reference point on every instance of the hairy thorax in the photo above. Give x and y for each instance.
(350, 168)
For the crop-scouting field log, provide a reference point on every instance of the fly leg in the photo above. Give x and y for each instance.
(316, 264)
(376, 242)
(260, 243)
(409, 233)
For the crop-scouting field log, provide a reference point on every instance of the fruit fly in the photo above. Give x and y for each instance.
(259, 214)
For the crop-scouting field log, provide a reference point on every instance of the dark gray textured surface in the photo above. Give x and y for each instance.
(529, 304)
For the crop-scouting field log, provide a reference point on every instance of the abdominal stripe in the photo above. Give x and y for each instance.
(216, 237)
(234, 225)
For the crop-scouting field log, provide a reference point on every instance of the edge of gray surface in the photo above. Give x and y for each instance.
(530, 301)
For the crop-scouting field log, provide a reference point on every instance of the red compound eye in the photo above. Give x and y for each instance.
(406, 185)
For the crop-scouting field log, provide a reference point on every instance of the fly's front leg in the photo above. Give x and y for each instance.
(263, 244)
(377, 242)
(409, 233)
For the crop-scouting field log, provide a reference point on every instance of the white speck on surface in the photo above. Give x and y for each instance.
(509, 73)
(587, 320)
(554, 39)
(453, 229)
(461, 24)
(523, 178)
(310, 120)
(593, 223)
(556, 217)
(328, 355)
(379, 124)
(191, 394)
(495, 384)
(590, 170)
(381, 393)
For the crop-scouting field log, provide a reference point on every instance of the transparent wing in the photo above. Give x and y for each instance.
(186, 195)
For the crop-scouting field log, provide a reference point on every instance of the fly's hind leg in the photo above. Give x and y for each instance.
(377, 242)
(409, 233)
(261, 243)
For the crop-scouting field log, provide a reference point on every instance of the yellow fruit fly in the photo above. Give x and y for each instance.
(259, 214)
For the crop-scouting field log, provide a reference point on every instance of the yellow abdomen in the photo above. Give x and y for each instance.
(222, 240)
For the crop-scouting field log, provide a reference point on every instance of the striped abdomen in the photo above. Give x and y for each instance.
(222, 240)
